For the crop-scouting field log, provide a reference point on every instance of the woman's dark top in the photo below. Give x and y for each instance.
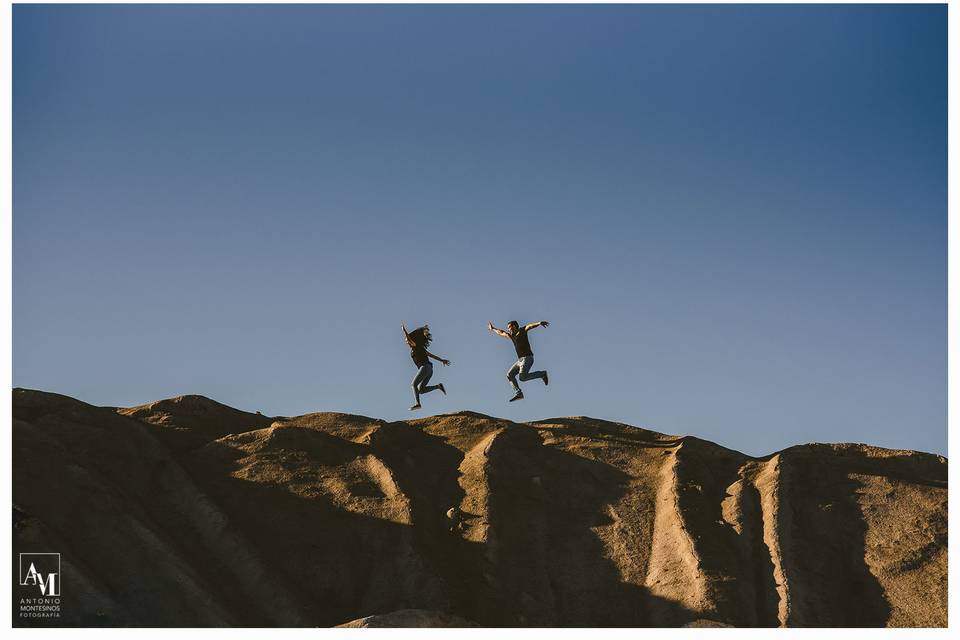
(521, 343)
(419, 355)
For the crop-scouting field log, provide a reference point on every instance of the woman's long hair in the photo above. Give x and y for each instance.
(420, 337)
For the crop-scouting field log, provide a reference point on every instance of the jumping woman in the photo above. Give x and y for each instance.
(418, 340)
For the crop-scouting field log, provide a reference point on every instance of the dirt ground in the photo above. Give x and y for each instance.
(186, 512)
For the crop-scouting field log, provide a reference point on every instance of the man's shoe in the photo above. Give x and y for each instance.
(415, 407)
(442, 389)
(518, 396)
(546, 380)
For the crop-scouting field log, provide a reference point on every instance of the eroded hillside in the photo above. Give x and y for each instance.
(186, 512)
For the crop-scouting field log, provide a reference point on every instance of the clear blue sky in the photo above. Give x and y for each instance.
(734, 217)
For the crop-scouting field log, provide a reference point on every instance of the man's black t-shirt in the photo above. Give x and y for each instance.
(521, 343)
(419, 355)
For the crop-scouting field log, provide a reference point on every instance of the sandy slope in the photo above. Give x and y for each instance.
(187, 512)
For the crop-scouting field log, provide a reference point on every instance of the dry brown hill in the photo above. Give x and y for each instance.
(186, 512)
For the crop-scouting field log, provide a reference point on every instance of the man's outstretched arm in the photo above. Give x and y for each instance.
(499, 332)
(534, 325)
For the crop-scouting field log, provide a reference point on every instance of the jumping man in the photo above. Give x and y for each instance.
(418, 340)
(518, 335)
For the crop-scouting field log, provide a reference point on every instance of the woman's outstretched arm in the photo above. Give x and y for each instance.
(444, 361)
(406, 336)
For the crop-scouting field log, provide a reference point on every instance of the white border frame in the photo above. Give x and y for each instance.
(953, 387)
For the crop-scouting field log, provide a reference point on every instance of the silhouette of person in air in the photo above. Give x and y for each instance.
(518, 335)
(418, 340)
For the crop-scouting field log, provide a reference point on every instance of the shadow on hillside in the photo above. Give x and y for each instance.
(334, 564)
(542, 565)
(830, 582)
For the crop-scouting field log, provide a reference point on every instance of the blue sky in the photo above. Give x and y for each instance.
(734, 217)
